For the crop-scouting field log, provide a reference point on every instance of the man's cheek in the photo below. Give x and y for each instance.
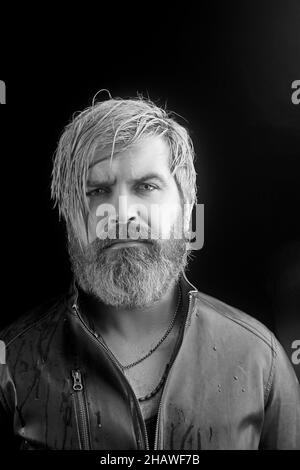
(106, 228)
(166, 220)
(92, 228)
(103, 222)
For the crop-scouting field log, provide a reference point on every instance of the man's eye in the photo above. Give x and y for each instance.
(96, 192)
(146, 187)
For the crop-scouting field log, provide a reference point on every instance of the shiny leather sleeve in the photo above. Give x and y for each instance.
(281, 428)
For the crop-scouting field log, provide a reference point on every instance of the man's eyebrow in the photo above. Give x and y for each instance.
(98, 182)
(112, 182)
(94, 163)
(150, 176)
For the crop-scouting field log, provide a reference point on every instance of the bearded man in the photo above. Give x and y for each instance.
(134, 356)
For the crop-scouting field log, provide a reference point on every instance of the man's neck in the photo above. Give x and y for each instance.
(131, 325)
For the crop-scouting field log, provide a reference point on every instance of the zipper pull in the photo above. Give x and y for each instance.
(77, 382)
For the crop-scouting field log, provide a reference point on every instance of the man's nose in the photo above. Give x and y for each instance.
(126, 210)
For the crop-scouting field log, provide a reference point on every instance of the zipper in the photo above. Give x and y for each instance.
(81, 413)
(165, 386)
(114, 360)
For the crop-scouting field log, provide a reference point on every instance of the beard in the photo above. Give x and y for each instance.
(128, 277)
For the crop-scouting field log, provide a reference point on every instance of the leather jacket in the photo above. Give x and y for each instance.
(230, 386)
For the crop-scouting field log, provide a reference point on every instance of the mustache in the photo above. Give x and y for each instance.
(134, 232)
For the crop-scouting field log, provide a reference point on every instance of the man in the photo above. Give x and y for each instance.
(134, 357)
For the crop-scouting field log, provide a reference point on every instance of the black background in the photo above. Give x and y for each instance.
(227, 68)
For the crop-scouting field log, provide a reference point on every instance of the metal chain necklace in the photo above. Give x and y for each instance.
(128, 366)
(158, 387)
(164, 376)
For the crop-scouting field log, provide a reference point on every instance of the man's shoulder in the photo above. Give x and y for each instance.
(231, 321)
(35, 318)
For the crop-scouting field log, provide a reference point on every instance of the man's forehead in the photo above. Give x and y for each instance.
(142, 158)
(147, 147)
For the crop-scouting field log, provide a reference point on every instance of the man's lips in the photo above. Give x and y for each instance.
(129, 242)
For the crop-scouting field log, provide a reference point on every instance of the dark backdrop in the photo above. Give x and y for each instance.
(227, 68)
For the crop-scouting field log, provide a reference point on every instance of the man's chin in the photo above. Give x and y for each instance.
(129, 276)
(129, 288)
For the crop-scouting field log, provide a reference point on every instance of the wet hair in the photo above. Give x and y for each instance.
(110, 127)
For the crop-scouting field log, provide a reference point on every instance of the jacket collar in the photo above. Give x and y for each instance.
(188, 289)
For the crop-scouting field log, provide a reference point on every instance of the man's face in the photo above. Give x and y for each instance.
(143, 198)
(139, 187)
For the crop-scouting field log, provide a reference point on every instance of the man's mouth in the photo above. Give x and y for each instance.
(114, 244)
